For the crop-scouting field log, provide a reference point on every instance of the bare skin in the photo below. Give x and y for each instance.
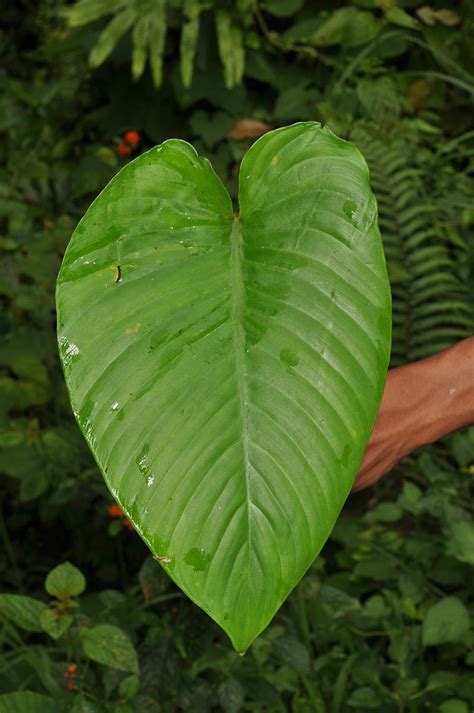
(421, 403)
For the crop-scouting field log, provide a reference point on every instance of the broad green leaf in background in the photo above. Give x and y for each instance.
(231, 695)
(282, 8)
(399, 17)
(25, 612)
(346, 26)
(446, 621)
(453, 705)
(110, 646)
(55, 623)
(365, 698)
(226, 369)
(28, 702)
(82, 705)
(65, 580)
(293, 653)
(460, 543)
(129, 687)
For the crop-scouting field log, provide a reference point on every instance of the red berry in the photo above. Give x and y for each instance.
(115, 511)
(124, 150)
(132, 138)
(72, 667)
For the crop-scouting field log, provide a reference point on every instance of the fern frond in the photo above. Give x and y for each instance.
(157, 20)
(111, 36)
(86, 11)
(148, 21)
(140, 39)
(432, 297)
(231, 49)
(189, 40)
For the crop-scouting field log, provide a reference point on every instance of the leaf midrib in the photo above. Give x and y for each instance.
(237, 286)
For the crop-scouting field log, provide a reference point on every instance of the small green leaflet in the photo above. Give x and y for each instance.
(226, 368)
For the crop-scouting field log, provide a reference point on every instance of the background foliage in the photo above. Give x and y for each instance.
(382, 620)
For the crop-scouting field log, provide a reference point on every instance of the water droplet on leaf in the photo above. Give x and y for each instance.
(142, 460)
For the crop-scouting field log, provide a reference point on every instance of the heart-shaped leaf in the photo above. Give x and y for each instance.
(225, 369)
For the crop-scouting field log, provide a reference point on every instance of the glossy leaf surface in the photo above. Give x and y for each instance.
(226, 370)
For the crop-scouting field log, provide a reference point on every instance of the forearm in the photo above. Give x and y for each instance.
(434, 396)
(421, 402)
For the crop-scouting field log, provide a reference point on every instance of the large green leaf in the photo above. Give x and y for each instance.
(110, 646)
(225, 369)
(23, 611)
(28, 702)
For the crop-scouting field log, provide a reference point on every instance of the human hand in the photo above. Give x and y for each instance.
(421, 402)
(388, 443)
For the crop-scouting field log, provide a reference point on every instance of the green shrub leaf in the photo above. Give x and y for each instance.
(282, 8)
(28, 702)
(129, 687)
(453, 705)
(293, 653)
(226, 370)
(54, 623)
(460, 543)
(82, 705)
(25, 612)
(110, 646)
(384, 512)
(65, 581)
(402, 18)
(364, 697)
(447, 621)
(231, 695)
